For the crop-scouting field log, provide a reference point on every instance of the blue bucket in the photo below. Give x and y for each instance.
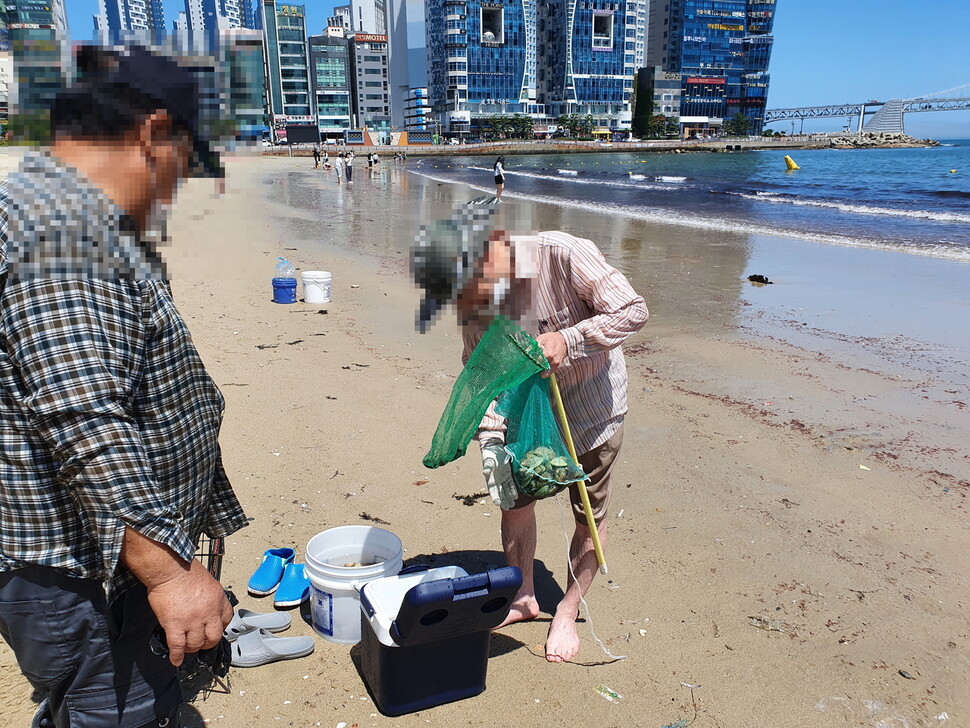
(284, 290)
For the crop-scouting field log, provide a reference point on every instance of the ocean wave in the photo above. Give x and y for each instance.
(855, 208)
(575, 179)
(956, 194)
(673, 217)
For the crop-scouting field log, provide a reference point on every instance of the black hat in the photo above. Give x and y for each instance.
(446, 253)
(172, 86)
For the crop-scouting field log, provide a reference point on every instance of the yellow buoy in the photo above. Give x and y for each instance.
(790, 163)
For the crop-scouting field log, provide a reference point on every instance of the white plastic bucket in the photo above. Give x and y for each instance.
(335, 587)
(316, 286)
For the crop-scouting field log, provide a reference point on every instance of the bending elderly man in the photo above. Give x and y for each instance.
(580, 309)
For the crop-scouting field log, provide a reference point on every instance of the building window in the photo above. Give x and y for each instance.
(603, 30)
(493, 24)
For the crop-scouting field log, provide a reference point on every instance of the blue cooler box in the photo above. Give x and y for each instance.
(425, 635)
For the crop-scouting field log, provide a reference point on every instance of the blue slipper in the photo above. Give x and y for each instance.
(267, 577)
(294, 587)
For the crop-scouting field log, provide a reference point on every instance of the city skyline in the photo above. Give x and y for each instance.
(900, 54)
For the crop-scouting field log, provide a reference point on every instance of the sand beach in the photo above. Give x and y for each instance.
(789, 531)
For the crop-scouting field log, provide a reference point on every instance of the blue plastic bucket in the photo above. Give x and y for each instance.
(284, 290)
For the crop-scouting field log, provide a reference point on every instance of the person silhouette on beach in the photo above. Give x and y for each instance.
(499, 169)
(580, 309)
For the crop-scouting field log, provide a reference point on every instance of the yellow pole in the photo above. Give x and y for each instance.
(583, 495)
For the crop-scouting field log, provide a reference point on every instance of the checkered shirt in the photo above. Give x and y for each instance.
(108, 418)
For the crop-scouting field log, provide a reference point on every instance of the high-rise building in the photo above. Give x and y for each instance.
(589, 58)
(131, 20)
(408, 65)
(362, 16)
(721, 49)
(208, 19)
(180, 32)
(482, 61)
(6, 76)
(6, 64)
(287, 74)
(368, 64)
(417, 110)
(332, 83)
(241, 51)
(4, 30)
(38, 37)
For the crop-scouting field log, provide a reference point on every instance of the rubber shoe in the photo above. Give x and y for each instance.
(294, 588)
(267, 577)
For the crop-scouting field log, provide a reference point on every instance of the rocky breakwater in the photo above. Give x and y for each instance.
(871, 139)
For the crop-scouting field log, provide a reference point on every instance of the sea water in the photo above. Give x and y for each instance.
(900, 199)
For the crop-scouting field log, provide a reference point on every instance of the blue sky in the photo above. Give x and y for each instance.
(825, 52)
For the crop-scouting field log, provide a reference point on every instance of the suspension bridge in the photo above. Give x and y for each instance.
(886, 116)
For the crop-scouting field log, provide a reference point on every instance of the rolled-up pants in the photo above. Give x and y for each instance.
(92, 659)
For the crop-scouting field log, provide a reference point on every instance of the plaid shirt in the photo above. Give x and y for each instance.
(108, 418)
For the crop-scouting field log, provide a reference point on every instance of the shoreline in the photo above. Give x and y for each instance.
(753, 556)
(828, 140)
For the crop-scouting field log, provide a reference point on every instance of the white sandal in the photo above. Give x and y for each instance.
(245, 621)
(260, 648)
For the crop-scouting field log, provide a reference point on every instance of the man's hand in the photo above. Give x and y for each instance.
(554, 347)
(189, 604)
(192, 609)
(497, 469)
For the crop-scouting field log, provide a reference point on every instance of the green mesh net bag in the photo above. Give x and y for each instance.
(505, 357)
(507, 364)
(542, 464)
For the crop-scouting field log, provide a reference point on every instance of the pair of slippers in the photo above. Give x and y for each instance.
(278, 575)
(252, 640)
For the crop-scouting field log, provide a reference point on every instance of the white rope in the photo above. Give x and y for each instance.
(582, 599)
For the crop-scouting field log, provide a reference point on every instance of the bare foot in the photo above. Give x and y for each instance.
(562, 642)
(523, 609)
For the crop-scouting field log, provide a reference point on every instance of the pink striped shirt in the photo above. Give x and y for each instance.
(594, 307)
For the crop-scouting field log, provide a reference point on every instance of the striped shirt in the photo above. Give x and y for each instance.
(108, 418)
(577, 293)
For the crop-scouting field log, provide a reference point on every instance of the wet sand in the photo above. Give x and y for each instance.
(749, 554)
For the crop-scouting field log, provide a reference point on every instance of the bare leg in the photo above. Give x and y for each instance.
(519, 544)
(562, 642)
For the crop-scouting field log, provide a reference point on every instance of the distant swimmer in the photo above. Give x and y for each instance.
(760, 280)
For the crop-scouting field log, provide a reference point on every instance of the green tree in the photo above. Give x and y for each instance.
(522, 126)
(569, 123)
(737, 125)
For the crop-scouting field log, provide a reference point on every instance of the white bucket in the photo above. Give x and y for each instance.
(316, 286)
(335, 587)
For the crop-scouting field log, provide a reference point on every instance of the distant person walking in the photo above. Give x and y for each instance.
(316, 156)
(349, 167)
(499, 170)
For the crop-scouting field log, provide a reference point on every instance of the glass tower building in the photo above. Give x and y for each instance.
(38, 38)
(332, 84)
(481, 60)
(287, 76)
(721, 48)
(589, 59)
(126, 20)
